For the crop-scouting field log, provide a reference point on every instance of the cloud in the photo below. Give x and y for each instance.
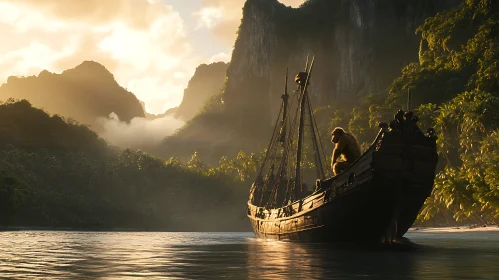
(138, 14)
(85, 46)
(166, 86)
(23, 18)
(179, 75)
(223, 17)
(32, 58)
(143, 43)
(139, 133)
(209, 17)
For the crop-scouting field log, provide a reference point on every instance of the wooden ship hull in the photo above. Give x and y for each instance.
(376, 199)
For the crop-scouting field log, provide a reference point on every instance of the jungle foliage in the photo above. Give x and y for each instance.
(455, 89)
(57, 173)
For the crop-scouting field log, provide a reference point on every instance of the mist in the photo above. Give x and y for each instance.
(140, 133)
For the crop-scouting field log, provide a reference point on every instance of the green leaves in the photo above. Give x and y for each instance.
(467, 128)
(458, 52)
(456, 88)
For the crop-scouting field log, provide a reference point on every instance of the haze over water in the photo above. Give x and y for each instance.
(152, 255)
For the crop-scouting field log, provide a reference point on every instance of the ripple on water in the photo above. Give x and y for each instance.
(111, 255)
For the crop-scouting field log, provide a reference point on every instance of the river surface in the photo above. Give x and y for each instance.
(443, 254)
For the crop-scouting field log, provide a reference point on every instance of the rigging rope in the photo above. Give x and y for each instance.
(321, 147)
(271, 143)
(290, 164)
(284, 160)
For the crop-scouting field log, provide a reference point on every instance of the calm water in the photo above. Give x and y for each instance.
(121, 255)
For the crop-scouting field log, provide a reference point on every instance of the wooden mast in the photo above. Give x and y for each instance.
(303, 101)
(285, 98)
(315, 144)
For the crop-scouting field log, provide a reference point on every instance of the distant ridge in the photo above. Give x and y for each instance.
(206, 82)
(83, 93)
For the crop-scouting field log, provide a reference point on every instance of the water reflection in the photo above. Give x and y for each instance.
(452, 255)
(275, 259)
(316, 261)
(112, 255)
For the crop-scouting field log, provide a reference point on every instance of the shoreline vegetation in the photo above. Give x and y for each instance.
(55, 172)
(103, 188)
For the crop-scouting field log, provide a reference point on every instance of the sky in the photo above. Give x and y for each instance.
(151, 46)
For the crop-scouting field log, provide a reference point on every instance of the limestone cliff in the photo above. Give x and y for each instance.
(83, 93)
(360, 47)
(206, 82)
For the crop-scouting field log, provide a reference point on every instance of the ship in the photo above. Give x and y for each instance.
(377, 199)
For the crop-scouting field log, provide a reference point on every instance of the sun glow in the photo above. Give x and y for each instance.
(150, 46)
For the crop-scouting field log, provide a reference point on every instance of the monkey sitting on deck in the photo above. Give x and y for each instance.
(346, 146)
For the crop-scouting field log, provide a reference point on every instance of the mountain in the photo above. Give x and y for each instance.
(206, 82)
(360, 48)
(83, 93)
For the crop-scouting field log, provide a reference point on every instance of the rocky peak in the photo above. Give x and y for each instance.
(360, 47)
(206, 82)
(83, 93)
(90, 71)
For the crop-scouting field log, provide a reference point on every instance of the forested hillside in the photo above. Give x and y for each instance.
(58, 173)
